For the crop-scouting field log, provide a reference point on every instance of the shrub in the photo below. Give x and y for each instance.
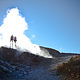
(71, 69)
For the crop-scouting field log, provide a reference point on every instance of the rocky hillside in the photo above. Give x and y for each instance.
(15, 64)
(18, 65)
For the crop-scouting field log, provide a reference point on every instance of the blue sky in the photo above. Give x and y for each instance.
(55, 23)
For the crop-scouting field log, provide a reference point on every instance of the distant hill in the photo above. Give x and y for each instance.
(56, 53)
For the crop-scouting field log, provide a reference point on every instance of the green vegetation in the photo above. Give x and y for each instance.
(70, 70)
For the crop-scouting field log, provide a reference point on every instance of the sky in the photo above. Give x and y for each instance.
(51, 23)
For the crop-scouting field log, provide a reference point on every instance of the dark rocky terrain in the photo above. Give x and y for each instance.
(18, 65)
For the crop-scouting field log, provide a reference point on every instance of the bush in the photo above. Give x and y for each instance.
(70, 69)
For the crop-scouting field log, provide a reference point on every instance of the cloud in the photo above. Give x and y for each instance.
(15, 24)
(33, 36)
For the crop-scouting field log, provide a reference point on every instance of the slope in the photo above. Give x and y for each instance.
(18, 65)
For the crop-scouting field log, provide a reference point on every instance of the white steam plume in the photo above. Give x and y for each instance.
(14, 24)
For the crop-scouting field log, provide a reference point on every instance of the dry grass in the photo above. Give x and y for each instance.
(70, 70)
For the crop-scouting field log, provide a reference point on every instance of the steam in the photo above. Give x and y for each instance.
(15, 24)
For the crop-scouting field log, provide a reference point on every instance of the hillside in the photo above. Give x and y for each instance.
(70, 70)
(18, 65)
